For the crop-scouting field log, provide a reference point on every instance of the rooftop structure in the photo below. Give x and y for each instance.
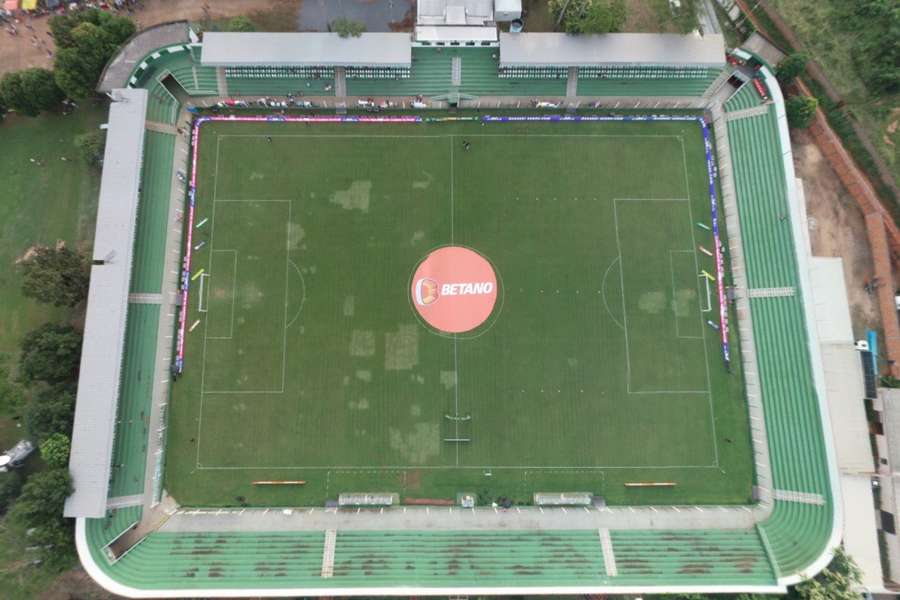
(632, 49)
(306, 49)
(107, 306)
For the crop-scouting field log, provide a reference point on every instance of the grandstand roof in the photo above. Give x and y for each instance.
(561, 49)
(107, 306)
(306, 49)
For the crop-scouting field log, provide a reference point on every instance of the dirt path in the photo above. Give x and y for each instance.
(32, 47)
(837, 228)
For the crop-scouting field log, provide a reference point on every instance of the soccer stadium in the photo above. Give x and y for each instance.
(452, 312)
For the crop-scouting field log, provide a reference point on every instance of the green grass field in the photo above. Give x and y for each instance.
(38, 205)
(595, 369)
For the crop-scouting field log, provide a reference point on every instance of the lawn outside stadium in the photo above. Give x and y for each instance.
(143, 544)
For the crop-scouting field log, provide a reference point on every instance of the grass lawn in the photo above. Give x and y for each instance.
(38, 205)
(813, 22)
(595, 368)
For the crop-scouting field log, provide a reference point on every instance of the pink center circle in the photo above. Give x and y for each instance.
(454, 289)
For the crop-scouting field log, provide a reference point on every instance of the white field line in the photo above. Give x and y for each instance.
(303, 291)
(284, 325)
(712, 415)
(603, 292)
(437, 136)
(212, 237)
(379, 468)
(452, 209)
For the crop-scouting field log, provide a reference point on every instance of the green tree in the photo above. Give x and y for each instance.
(56, 542)
(682, 15)
(30, 91)
(90, 146)
(43, 496)
(791, 67)
(55, 450)
(50, 353)
(85, 41)
(875, 25)
(50, 410)
(57, 276)
(834, 582)
(40, 507)
(10, 488)
(347, 27)
(240, 23)
(590, 16)
(800, 111)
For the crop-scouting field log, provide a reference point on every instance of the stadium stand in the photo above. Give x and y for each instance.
(153, 210)
(136, 390)
(795, 538)
(162, 106)
(646, 87)
(746, 97)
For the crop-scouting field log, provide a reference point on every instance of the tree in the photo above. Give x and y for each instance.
(240, 23)
(85, 41)
(835, 582)
(55, 541)
(40, 507)
(90, 146)
(347, 27)
(10, 488)
(55, 450)
(50, 353)
(875, 25)
(43, 496)
(57, 276)
(590, 16)
(51, 410)
(800, 111)
(30, 91)
(683, 15)
(791, 67)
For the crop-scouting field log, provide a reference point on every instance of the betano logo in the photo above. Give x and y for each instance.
(463, 281)
(426, 291)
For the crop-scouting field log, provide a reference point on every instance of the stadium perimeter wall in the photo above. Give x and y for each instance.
(158, 558)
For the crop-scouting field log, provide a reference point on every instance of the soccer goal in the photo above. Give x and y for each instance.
(708, 306)
(203, 306)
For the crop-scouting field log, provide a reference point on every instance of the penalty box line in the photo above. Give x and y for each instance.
(452, 467)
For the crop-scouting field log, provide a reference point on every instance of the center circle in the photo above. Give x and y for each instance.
(454, 289)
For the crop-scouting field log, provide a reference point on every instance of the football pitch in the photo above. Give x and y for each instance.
(312, 356)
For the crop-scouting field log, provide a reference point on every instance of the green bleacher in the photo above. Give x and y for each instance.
(279, 86)
(183, 63)
(153, 213)
(793, 420)
(645, 87)
(744, 98)
(162, 107)
(719, 557)
(116, 522)
(135, 396)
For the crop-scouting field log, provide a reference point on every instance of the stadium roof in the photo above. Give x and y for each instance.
(561, 49)
(433, 33)
(107, 306)
(454, 12)
(306, 49)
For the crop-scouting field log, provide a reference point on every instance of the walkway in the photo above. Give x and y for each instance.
(168, 314)
(423, 518)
